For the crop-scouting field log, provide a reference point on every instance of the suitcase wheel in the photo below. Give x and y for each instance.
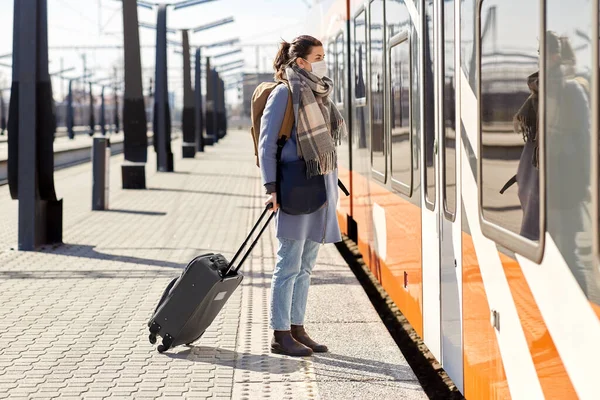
(154, 328)
(166, 343)
(152, 338)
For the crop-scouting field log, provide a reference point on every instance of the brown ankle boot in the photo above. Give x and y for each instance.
(284, 343)
(300, 335)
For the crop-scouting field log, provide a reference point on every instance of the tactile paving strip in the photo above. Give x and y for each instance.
(259, 374)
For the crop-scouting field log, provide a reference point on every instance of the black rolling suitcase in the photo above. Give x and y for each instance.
(191, 302)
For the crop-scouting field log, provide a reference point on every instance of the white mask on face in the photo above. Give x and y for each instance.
(319, 68)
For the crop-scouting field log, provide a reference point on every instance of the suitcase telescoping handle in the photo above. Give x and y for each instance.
(264, 227)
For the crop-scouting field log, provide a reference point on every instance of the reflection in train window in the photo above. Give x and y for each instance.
(339, 84)
(449, 97)
(400, 67)
(331, 61)
(400, 106)
(429, 109)
(415, 102)
(397, 18)
(568, 137)
(377, 86)
(467, 39)
(509, 116)
(339, 87)
(359, 128)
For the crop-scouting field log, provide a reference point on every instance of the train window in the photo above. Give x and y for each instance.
(331, 58)
(400, 109)
(360, 93)
(509, 134)
(400, 96)
(449, 114)
(429, 109)
(569, 126)
(339, 58)
(376, 90)
(467, 39)
(415, 102)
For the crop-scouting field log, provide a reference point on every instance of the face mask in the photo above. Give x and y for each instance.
(319, 68)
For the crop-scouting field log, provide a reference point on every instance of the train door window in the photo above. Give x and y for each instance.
(429, 107)
(400, 95)
(339, 84)
(400, 110)
(509, 133)
(360, 73)
(377, 88)
(449, 114)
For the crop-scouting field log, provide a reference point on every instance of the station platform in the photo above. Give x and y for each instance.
(74, 316)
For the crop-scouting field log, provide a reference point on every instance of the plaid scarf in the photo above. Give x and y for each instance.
(319, 124)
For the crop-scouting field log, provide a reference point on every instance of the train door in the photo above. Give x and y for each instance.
(442, 327)
(450, 231)
(431, 215)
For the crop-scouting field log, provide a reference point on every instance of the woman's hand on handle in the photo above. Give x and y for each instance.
(273, 200)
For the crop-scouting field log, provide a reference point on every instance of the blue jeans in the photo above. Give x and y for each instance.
(290, 282)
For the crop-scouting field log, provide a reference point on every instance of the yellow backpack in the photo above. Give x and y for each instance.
(259, 100)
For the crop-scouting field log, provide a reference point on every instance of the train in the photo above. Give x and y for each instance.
(472, 162)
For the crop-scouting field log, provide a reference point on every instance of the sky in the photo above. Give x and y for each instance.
(260, 25)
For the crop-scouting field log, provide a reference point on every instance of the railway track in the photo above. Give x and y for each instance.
(72, 156)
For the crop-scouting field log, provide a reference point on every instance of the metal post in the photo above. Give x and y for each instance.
(210, 106)
(46, 129)
(13, 108)
(92, 119)
(222, 116)
(100, 173)
(116, 110)
(83, 82)
(224, 106)
(215, 99)
(70, 121)
(102, 113)
(27, 126)
(161, 105)
(187, 120)
(133, 170)
(198, 103)
(2, 115)
(219, 110)
(62, 86)
(84, 71)
(116, 113)
(31, 124)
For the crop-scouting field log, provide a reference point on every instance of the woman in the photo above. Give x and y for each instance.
(528, 176)
(301, 66)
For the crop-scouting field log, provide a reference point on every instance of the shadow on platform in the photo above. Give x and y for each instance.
(245, 196)
(334, 367)
(233, 359)
(138, 212)
(213, 175)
